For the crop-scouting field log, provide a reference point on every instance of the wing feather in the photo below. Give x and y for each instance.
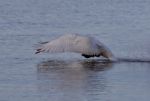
(62, 44)
(71, 43)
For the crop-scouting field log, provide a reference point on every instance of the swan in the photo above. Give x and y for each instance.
(87, 46)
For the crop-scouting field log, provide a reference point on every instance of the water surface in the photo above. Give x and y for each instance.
(123, 26)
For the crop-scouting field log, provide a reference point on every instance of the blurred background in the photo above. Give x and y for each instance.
(122, 25)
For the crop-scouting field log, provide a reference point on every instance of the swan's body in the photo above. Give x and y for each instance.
(87, 46)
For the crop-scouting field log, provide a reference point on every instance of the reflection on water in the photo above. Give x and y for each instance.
(123, 25)
(93, 80)
(72, 81)
(95, 64)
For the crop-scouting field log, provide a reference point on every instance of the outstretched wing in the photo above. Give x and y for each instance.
(56, 46)
(70, 43)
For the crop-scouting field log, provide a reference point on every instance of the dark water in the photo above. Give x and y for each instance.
(123, 25)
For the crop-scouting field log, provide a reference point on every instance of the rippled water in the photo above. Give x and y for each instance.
(122, 25)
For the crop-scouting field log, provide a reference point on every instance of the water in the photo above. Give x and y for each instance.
(122, 25)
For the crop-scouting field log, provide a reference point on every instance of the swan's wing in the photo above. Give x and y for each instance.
(56, 46)
(69, 43)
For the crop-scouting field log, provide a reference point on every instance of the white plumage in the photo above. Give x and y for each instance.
(87, 46)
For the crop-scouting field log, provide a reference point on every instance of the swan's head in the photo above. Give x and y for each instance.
(107, 54)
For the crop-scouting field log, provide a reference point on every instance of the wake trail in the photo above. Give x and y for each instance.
(133, 60)
(122, 59)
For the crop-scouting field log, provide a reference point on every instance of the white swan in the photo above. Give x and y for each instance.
(86, 45)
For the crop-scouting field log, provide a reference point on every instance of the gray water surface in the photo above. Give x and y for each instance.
(122, 25)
